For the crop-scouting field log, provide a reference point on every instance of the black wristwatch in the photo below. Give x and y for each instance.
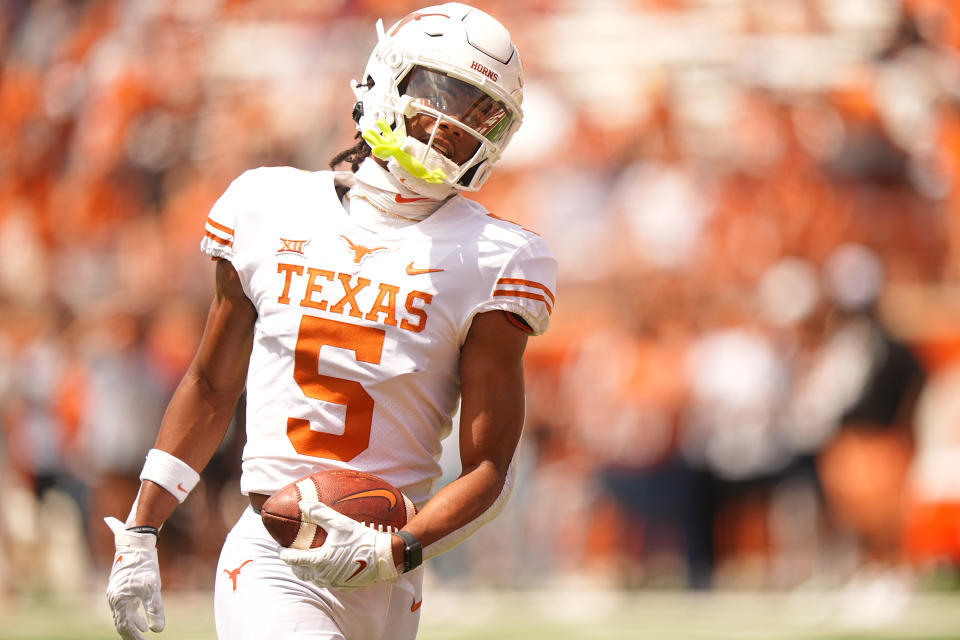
(412, 552)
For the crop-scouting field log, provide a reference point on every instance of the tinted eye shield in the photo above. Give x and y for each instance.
(470, 106)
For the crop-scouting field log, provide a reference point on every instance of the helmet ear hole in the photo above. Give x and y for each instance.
(357, 111)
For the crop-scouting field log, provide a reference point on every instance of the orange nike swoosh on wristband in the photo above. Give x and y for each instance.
(411, 271)
(416, 605)
(180, 486)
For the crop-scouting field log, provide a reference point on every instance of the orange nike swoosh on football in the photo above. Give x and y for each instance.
(411, 271)
(370, 493)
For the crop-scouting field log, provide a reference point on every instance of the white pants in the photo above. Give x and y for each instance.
(257, 597)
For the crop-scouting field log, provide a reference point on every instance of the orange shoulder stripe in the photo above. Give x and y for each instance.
(525, 294)
(219, 227)
(215, 238)
(528, 283)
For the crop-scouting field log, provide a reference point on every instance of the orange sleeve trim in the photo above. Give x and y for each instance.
(525, 294)
(218, 239)
(518, 322)
(219, 227)
(528, 283)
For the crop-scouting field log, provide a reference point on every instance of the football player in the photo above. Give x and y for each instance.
(360, 310)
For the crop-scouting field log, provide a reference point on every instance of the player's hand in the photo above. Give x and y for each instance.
(134, 580)
(352, 556)
(388, 143)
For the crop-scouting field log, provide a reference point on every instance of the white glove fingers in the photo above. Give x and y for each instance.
(320, 514)
(352, 555)
(154, 610)
(129, 633)
(129, 621)
(297, 557)
(136, 617)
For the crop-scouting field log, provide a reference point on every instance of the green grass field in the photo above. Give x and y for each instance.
(555, 615)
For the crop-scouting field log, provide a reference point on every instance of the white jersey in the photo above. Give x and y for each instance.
(355, 360)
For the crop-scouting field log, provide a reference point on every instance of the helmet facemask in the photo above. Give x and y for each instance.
(450, 124)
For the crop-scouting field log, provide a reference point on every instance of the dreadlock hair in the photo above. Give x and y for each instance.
(354, 155)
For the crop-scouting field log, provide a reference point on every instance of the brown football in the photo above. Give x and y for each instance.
(361, 496)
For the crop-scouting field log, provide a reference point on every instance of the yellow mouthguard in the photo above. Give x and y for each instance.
(387, 143)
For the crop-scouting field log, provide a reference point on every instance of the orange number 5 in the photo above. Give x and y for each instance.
(367, 346)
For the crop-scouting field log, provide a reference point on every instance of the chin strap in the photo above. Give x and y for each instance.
(387, 143)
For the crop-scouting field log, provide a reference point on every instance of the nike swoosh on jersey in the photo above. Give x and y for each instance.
(400, 199)
(411, 271)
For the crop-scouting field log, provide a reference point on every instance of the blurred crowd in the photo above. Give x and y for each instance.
(751, 375)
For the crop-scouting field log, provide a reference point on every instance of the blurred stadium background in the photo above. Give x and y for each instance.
(747, 410)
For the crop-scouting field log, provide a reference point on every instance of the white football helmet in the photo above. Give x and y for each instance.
(454, 63)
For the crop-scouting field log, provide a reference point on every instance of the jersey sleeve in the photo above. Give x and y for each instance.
(526, 285)
(221, 223)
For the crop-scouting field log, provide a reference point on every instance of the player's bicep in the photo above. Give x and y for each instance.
(224, 351)
(491, 371)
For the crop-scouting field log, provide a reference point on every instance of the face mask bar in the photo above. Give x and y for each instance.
(459, 104)
(485, 148)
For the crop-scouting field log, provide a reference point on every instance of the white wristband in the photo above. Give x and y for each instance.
(170, 472)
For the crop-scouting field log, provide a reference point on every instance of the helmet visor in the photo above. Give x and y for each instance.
(458, 100)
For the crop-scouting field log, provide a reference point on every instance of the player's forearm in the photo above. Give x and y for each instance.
(461, 508)
(491, 419)
(192, 428)
(197, 419)
(154, 505)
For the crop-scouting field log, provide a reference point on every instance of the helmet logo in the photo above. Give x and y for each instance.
(476, 66)
(414, 16)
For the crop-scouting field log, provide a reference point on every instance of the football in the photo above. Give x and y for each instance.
(361, 496)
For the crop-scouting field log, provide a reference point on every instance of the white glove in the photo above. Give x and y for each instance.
(134, 579)
(352, 556)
